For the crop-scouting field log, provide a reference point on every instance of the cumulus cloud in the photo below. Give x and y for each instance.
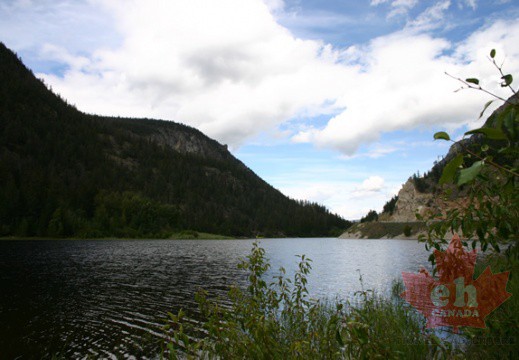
(373, 184)
(224, 67)
(402, 85)
(231, 70)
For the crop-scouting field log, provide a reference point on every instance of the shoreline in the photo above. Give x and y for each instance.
(357, 236)
(386, 230)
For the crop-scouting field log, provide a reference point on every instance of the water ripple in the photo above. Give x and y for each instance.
(108, 299)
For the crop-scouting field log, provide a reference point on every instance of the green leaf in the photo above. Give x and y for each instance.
(491, 133)
(493, 53)
(442, 135)
(472, 81)
(467, 175)
(450, 169)
(485, 108)
(507, 80)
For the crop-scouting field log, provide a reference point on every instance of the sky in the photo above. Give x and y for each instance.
(329, 101)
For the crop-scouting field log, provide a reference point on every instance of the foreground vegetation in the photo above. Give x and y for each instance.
(280, 321)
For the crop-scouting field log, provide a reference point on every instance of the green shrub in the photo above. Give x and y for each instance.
(280, 321)
(407, 230)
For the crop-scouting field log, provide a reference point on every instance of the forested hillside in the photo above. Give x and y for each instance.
(64, 173)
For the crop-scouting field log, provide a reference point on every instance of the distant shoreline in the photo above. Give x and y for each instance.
(386, 230)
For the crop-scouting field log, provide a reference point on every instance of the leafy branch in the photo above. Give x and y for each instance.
(507, 79)
(441, 135)
(473, 83)
(488, 186)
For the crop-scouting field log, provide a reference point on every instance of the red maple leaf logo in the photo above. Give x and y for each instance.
(455, 299)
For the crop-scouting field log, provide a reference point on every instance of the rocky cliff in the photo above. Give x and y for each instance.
(410, 202)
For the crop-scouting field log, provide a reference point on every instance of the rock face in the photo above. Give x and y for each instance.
(410, 202)
(190, 142)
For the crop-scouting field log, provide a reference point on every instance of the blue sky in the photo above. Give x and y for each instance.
(329, 101)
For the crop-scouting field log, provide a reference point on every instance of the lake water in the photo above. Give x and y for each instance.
(106, 298)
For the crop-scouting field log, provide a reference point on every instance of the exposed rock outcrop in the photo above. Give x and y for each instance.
(410, 202)
(190, 142)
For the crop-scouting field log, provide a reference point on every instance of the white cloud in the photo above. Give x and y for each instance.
(229, 69)
(401, 7)
(378, 2)
(275, 5)
(225, 67)
(373, 184)
(431, 18)
(402, 85)
(398, 7)
(75, 25)
(350, 199)
(374, 151)
(471, 3)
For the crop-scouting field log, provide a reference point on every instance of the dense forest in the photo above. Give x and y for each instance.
(64, 173)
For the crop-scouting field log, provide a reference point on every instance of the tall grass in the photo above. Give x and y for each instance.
(280, 321)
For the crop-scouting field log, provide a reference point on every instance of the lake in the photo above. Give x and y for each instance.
(106, 298)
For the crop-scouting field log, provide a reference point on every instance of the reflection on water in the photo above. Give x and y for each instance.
(107, 298)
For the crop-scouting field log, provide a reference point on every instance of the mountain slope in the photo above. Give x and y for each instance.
(66, 173)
